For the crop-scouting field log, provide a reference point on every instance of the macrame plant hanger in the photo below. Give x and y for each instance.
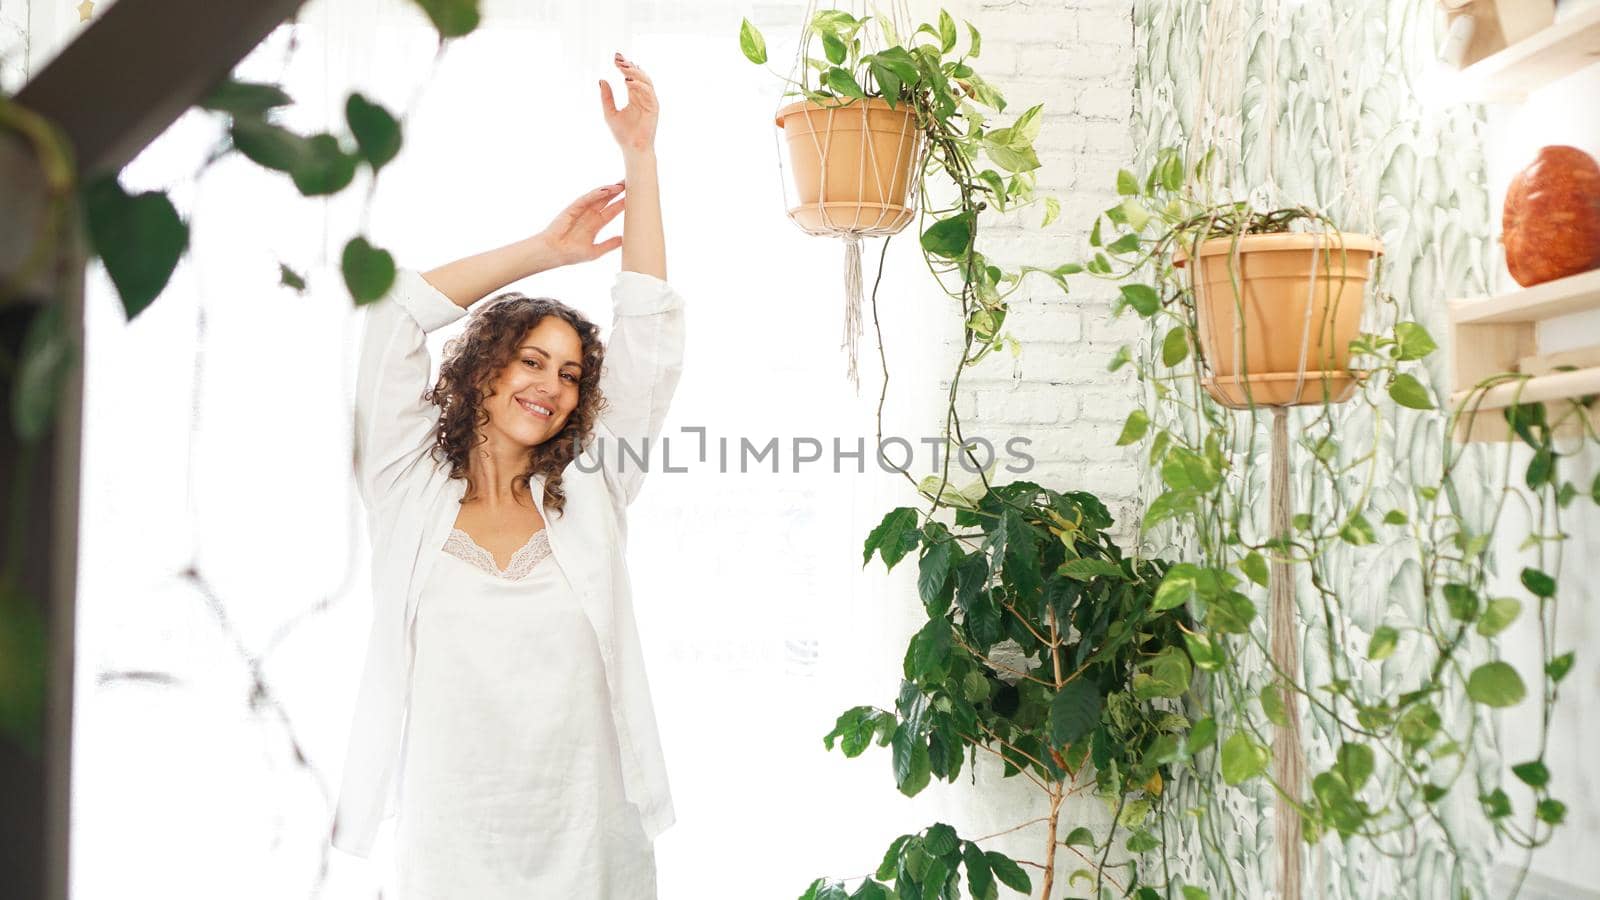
(850, 171)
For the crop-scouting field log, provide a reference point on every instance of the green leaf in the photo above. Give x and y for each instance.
(325, 168)
(1242, 758)
(843, 83)
(894, 537)
(45, 360)
(949, 238)
(941, 840)
(1009, 873)
(1202, 735)
(1272, 706)
(243, 98)
(751, 43)
(1358, 531)
(1533, 774)
(1498, 615)
(1413, 341)
(1355, 763)
(1087, 569)
(1127, 243)
(1462, 601)
(910, 758)
(139, 239)
(451, 18)
(1177, 587)
(857, 727)
(1052, 211)
(1126, 183)
(1550, 811)
(1558, 666)
(289, 278)
(1409, 392)
(933, 574)
(1395, 517)
(1142, 841)
(1074, 712)
(368, 271)
(1496, 805)
(1134, 428)
(1175, 346)
(1541, 468)
(1383, 642)
(1165, 676)
(1231, 613)
(833, 48)
(1496, 684)
(1254, 567)
(376, 131)
(980, 878)
(1142, 297)
(1080, 837)
(928, 654)
(947, 32)
(1538, 583)
(976, 43)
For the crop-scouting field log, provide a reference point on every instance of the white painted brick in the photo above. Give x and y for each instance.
(1074, 57)
(1104, 102)
(1027, 403)
(1066, 60)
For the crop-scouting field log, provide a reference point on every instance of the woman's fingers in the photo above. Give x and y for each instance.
(604, 247)
(632, 71)
(610, 212)
(608, 102)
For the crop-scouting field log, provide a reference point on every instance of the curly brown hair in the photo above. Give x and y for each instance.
(472, 361)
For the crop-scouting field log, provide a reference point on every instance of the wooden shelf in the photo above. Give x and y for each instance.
(1494, 335)
(1563, 48)
(1575, 293)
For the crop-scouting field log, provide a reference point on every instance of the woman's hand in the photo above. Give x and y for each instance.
(570, 238)
(634, 126)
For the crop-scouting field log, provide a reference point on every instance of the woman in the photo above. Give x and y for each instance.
(504, 712)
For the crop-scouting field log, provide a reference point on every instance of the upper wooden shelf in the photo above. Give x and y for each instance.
(1563, 48)
(1575, 293)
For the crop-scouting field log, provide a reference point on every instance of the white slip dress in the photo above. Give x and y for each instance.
(511, 781)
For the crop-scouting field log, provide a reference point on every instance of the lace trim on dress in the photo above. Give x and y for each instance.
(463, 547)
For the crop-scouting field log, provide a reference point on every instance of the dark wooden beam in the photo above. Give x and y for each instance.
(113, 90)
(136, 68)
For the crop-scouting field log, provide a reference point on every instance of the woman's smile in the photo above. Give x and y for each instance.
(538, 410)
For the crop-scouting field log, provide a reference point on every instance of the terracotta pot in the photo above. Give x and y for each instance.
(1280, 278)
(852, 165)
(1283, 389)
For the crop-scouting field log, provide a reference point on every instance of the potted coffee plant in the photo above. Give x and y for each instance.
(1046, 648)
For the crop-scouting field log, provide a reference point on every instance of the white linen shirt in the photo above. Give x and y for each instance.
(412, 504)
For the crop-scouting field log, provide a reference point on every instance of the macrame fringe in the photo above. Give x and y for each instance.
(1288, 757)
(852, 303)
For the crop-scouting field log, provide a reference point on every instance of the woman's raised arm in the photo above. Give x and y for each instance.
(644, 351)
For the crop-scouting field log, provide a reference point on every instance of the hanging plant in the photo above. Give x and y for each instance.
(1403, 704)
(886, 111)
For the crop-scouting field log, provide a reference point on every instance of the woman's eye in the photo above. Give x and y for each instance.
(532, 362)
(571, 377)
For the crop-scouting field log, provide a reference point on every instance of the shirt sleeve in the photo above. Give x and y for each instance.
(643, 362)
(394, 424)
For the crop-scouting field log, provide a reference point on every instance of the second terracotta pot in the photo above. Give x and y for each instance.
(852, 165)
(1280, 303)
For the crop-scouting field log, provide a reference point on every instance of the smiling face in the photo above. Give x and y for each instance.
(534, 394)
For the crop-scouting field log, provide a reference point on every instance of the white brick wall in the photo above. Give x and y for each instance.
(1075, 57)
